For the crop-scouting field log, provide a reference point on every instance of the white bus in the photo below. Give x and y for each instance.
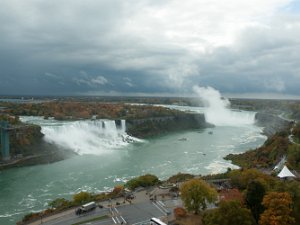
(156, 221)
(86, 208)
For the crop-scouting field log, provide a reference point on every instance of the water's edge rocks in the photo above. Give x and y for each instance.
(271, 123)
(143, 128)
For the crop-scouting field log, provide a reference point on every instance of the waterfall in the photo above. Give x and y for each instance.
(123, 125)
(86, 136)
(217, 109)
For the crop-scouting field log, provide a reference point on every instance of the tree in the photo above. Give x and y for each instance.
(59, 203)
(179, 212)
(229, 213)
(241, 178)
(278, 209)
(142, 181)
(82, 197)
(294, 156)
(195, 193)
(254, 196)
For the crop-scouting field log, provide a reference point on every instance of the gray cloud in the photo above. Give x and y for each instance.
(85, 47)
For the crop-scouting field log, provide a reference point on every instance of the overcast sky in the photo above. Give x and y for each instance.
(149, 47)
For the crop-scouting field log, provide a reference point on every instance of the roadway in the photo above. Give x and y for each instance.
(125, 214)
(139, 212)
(70, 218)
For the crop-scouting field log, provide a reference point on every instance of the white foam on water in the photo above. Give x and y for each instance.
(217, 166)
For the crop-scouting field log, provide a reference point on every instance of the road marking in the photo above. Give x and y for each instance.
(142, 222)
(123, 219)
(161, 203)
(162, 206)
(116, 210)
(113, 220)
(159, 208)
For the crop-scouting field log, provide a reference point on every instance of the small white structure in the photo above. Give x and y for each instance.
(285, 172)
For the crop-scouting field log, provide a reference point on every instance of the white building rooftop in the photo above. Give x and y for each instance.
(285, 172)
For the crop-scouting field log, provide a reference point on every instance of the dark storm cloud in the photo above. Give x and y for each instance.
(134, 47)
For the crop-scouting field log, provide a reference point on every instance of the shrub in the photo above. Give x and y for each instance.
(142, 181)
(59, 203)
(180, 177)
(179, 212)
(82, 197)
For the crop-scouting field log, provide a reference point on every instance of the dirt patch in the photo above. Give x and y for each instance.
(190, 219)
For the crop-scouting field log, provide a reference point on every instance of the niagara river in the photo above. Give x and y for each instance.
(107, 156)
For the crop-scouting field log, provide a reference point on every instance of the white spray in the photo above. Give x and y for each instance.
(217, 110)
(84, 137)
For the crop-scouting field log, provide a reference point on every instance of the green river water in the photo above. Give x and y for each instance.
(107, 161)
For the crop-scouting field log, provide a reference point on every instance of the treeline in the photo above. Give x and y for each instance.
(12, 120)
(268, 197)
(258, 199)
(290, 108)
(268, 155)
(296, 133)
(62, 110)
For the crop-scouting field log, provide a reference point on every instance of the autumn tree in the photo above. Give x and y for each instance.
(229, 213)
(179, 212)
(142, 181)
(241, 179)
(195, 193)
(278, 209)
(59, 203)
(294, 156)
(254, 196)
(82, 197)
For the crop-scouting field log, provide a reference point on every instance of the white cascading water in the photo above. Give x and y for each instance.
(86, 136)
(123, 126)
(217, 110)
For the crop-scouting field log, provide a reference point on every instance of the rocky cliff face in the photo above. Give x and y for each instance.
(157, 125)
(271, 123)
(27, 147)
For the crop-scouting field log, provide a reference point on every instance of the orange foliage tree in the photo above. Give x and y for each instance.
(278, 209)
(179, 212)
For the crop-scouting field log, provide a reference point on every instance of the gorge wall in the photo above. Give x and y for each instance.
(143, 128)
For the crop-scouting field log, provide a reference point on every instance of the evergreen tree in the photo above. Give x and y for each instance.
(254, 196)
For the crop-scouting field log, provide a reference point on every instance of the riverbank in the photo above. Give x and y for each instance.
(278, 145)
(164, 203)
